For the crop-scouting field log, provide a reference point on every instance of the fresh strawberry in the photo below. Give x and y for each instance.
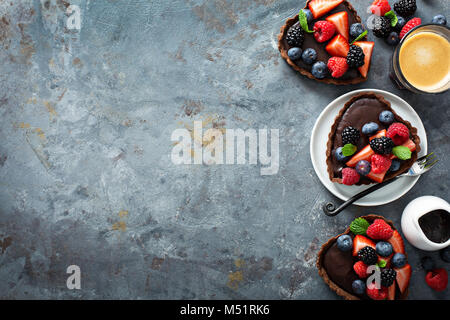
(338, 66)
(360, 242)
(360, 269)
(366, 153)
(380, 7)
(403, 277)
(350, 176)
(376, 294)
(320, 7)
(367, 47)
(380, 163)
(377, 177)
(391, 292)
(387, 259)
(397, 242)
(398, 132)
(414, 22)
(379, 230)
(437, 279)
(323, 30)
(340, 21)
(338, 47)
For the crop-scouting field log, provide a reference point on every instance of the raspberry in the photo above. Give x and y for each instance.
(380, 163)
(414, 22)
(338, 66)
(324, 30)
(376, 294)
(360, 269)
(437, 279)
(349, 176)
(379, 230)
(380, 7)
(398, 132)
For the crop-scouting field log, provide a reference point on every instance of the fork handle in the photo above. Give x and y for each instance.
(331, 210)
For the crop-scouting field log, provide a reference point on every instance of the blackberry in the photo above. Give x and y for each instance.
(405, 8)
(355, 57)
(295, 36)
(388, 277)
(350, 135)
(381, 27)
(368, 255)
(382, 145)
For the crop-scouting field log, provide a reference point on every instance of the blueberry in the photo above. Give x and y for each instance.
(384, 248)
(393, 39)
(309, 15)
(309, 56)
(400, 23)
(356, 29)
(345, 243)
(370, 128)
(395, 166)
(359, 287)
(386, 117)
(427, 263)
(294, 53)
(363, 167)
(439, 19)
(319, 70)
(445, 254)
(339, 156)
(398, 260)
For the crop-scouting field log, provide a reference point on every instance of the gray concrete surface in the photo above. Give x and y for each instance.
(85, 171)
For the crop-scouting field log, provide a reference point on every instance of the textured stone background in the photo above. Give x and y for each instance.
(85, 170)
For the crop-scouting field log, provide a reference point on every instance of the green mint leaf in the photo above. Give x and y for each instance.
(391, 15)
(402, 152)
(359, 226)
(362, 35)
(348, 150)
(382, 263)
(304, 21)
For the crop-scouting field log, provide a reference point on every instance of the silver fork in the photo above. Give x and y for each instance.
(419, 167)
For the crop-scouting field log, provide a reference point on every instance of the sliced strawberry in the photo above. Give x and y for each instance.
(397, 242)
(381, 133)
(360, 242)
(391, 292)
(377, 177)
(365, 153)
(338, 47)
(410, 145)
(320, 7)
(340, 21)
(403, 276)
(367, 47)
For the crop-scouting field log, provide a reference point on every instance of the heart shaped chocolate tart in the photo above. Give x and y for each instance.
(318, 43)
(369, 142)
(370, 240)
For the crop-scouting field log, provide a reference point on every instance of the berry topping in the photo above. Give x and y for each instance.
(309, 15)
(439, 19)
(398, 132)
(380, 163)
(294, 53)
(382, 145)
(338, 47)
(398, 260)
(321, 7)
(405, 8)
(344, 243)
(386, 117)
(355, 57)
(414, 22)
(340, 21)
(400, 23)
(360, 269)
(381, 27)
(384, 249)
(445, 254)
(319, 70)
(368, 255)
(363, 167)
(356, 29)
(367, 47)
(376, 294)
(359, 226)
(395, 166)
(338, 66)
(403, 277)
(397, 242)
(350, 135)
(360, 242)
(295, 36)
(393, 39)
(388, 277)
(380, 7)
(340, 156)
(437, 279)
(427, 263)
(358, 286)
(380, 230)
(323, 30)
(309, 56)
(370, 128)
(349, 176)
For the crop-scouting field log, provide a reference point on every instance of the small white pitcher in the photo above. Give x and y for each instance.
(410, 221)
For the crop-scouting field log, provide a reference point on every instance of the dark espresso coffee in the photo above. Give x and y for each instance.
(436, 225)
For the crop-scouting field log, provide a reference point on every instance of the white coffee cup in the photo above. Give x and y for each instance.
(410, 221)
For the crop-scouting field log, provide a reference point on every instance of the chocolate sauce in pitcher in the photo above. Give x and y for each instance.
(436, 225)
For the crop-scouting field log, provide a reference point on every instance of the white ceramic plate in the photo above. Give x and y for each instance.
(318, 147)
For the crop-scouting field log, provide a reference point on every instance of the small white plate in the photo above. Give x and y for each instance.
(318, 148)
